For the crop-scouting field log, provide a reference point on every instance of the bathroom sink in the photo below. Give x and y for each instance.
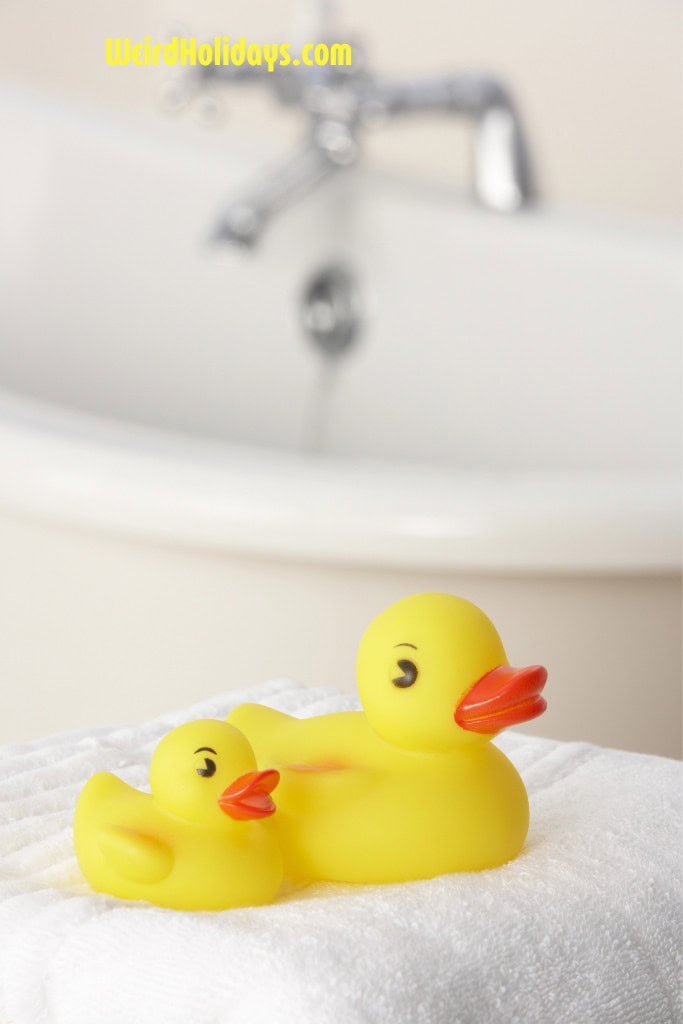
(510, 407)
(537, 351)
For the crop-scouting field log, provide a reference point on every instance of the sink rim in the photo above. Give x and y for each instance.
(78, 469)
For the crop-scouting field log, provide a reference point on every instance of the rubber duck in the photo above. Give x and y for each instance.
(200, 840)
(411, 786)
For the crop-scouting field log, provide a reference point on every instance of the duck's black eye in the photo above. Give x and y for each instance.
(208, 769)
(409, 670)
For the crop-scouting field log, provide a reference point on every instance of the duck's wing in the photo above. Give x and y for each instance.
(135, 855)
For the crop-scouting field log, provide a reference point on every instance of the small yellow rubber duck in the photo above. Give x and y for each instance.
(199, 841)
(410, 787)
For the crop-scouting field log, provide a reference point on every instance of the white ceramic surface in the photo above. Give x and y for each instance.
(511, 409)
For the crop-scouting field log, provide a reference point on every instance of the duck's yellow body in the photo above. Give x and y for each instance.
(353, 808)
(410, 787)
(197, 842)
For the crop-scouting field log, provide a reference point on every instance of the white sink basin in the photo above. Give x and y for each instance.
(511, 407)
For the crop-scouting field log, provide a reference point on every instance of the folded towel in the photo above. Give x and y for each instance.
(584, 926)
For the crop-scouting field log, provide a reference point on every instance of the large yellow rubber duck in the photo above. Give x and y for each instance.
(198, 841)
(411, 787)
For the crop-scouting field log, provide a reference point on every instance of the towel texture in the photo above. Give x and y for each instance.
(585, 926)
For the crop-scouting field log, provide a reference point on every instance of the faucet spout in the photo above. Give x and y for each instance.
(502, 168)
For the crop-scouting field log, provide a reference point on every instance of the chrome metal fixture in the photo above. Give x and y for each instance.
(331, 309)
(343, 101)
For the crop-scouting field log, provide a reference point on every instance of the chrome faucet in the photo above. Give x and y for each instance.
(342, 101)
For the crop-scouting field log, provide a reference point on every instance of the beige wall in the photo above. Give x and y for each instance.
(597, 80)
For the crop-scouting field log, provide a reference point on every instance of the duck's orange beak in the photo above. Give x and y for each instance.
(249, 796)
(505, 696)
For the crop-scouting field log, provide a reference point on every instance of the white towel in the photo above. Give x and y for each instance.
(583, 927)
